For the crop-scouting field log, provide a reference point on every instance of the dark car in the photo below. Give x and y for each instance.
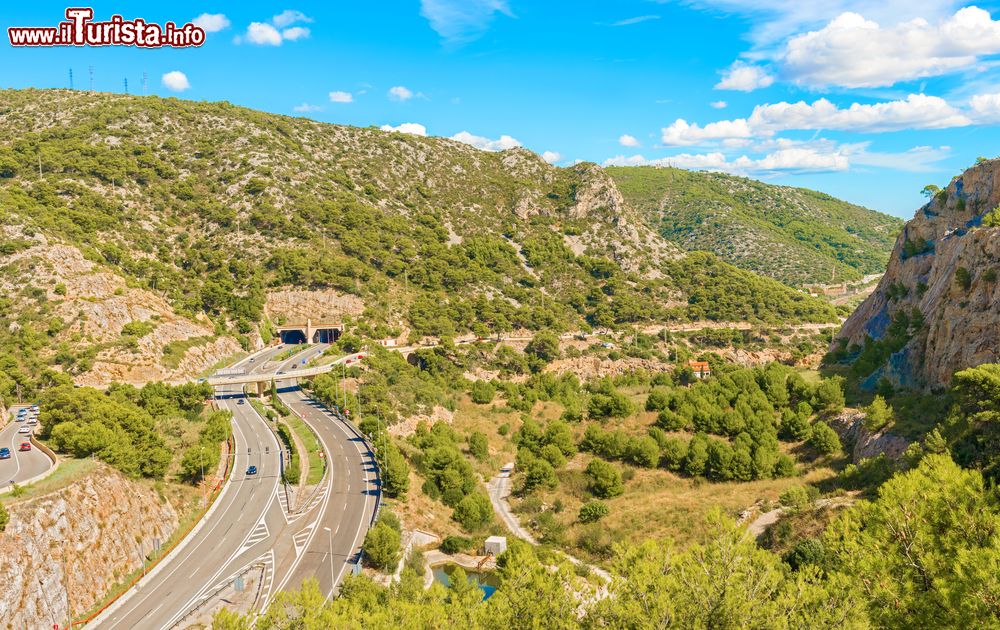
(251, 471)
(25, 446)
(4, 453)
(240, 401)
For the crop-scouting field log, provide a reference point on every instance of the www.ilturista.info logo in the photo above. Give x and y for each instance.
(79, 29)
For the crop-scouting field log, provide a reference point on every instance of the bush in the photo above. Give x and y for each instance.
(593, 511)
(474, 511)
(4, 517)
(605, 479)
(808, 551)
(795, 497)
(878, 414)
(963, 278)
(455, 544)
(479, 446)
(382, 546)
(673, 453)
(482, 392)
(824, 439)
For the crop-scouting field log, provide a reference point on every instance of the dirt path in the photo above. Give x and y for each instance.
(759, 525)
(499, 489)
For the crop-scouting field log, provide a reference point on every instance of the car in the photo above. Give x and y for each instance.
(251, 471)
(34, 408)
(21, 418)
(4, 453)
(24, 430)
(25, 446)
(281, 372)
(361, 356)
(32, 422)
(240, 401)
(251, 359)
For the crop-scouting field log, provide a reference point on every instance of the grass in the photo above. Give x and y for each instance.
(289, 352)
(173, 352)
(312, 446)
(69, 470)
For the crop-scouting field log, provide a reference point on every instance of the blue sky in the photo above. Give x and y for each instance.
(867, 101)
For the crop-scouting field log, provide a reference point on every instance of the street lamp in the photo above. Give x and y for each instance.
(332, 578)
(204, 497)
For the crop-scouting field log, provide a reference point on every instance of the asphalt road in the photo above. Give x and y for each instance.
(244, 516)
(337, 531)
(22, 465)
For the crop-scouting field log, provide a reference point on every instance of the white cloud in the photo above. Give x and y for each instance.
(289, 17)
(986, 107)
(295, 33)
(176, 81)
(415, 129)
(718, 104)
(798, 159)
(551, 156)
(635, 20)
(502, 143)
(461, 21)
(305, 108)
(680, 133)
(916, 111)
(628, 141)
(263, 34)
(744, 77)
(400, 93)
(852, 51)
(211, 22)
(341, 97)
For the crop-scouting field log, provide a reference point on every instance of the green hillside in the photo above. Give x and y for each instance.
(211, 206)
(794, 235)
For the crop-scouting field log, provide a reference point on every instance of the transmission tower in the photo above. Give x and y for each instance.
(145, 80)
(126, 85)
(71, 78)
(90, 70)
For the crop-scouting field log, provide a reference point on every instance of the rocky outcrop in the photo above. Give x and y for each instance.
(88, 536)
(927, 274)
(864, 444)
(297, 305)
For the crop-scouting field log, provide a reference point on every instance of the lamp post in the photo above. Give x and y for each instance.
(204, 497)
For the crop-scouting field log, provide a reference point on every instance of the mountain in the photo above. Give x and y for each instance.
(937, 308)
(139, 233)
(794, 235)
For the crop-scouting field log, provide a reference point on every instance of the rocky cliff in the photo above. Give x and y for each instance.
(87, 536)
(940, 289)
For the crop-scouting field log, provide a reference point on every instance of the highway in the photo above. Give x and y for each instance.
(337, 530)
(242, 517)
(22, 465)
(251, 525)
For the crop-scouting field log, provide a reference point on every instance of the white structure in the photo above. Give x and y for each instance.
(495, 545)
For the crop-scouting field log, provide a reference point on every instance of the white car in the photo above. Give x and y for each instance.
(24, 430)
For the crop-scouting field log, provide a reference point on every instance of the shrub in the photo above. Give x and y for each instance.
(479, 446)
(963, 278)
(878, 414)
(483, 392)
(474, 511)
(795, 497)
(382, 546)
(4, 517)
(605, 479)
(593, 511)
(455, 544)
(824, 439)
(808, 551)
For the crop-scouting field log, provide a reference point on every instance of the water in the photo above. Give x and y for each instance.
(486, 581)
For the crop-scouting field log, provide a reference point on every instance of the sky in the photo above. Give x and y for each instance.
(866, 101)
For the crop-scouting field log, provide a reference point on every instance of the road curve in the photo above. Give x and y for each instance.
(229, 532)
(336, 533)
(22, 465)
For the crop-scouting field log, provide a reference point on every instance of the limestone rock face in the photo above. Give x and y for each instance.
(88, 535)
(961, 325)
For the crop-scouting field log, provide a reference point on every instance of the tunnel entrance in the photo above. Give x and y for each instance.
(293, 337)
(326, 335)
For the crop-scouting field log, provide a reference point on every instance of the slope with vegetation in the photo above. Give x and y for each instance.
(794, 235)
(203, 209)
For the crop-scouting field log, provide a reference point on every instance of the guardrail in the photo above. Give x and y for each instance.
(40, 476)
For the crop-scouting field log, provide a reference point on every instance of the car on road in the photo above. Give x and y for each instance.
(251, 471)
(25, 446)
(34, 408)
(240, 401)
(24, 430)
(4, 453)
(22, 418)
(281, 372)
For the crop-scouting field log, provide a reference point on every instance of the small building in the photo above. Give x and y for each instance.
(495, 545)
(388, 342)
(701, 369)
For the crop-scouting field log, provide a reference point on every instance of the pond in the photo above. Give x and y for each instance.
(486, 581)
